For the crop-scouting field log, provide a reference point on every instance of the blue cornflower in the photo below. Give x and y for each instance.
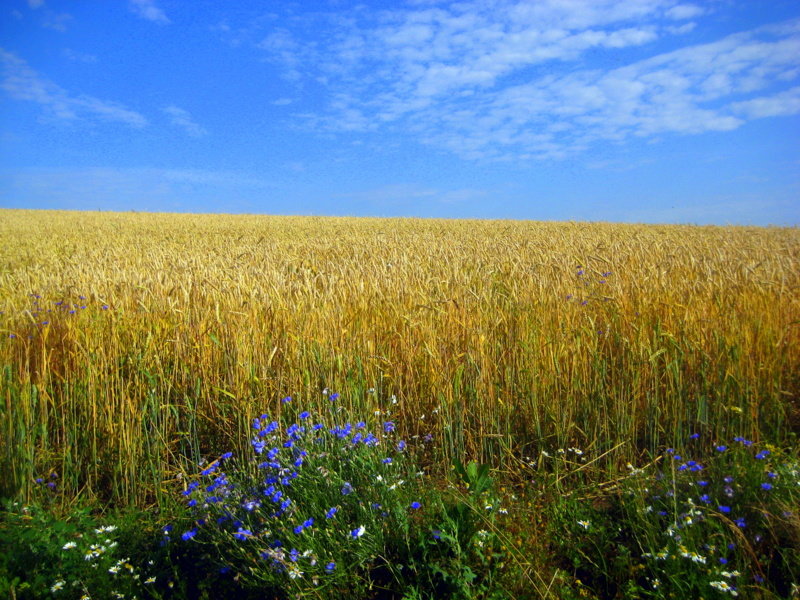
(304, 415)
(333, 397)
(299, 529)
(387, 461)
(724, 509)
(415, 505)
(437, 535)
(166, 529)
(331, 511)
(705, 498)
(347, 488)
(189, 534)
(286, 400)
(210, 469)
(357, 533)
(762, 455)
(723, 561)
(192, 503)
(361, 425)
(294, 554)
(721, 448)
(766, 486)
(694, 436)
(401, 445)
(330, 567)
(772, 475)
(258, 445)
(388, 426)
(740, 522)
(242, 534)
(308, 522)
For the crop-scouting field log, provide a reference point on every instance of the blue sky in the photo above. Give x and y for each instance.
(658, 111)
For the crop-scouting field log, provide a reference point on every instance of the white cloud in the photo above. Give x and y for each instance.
(56, 21)
(147, 9)
(23, 83)
(681, 12)
(512, 80)
(777, 105)
(35, 3)
(76, 56)
(183, 119)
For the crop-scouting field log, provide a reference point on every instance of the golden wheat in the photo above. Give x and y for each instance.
(485, 332)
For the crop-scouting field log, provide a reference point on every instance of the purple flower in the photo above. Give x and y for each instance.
(721, 448)
(242, 534)
(766, 486)
(762, 455)
(401, 445)
(415, 505)
(724, 509)
(304, 415)
(189, 534)
(286, 400)
(347, 488)
(388, 426)
(331, 511)
(740, 523)
(330, 567)
(694, 436)
(387, 461)
(333, 397)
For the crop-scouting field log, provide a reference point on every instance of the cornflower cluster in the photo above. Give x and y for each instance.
(719, 516)
(41, 316)
(317, 497)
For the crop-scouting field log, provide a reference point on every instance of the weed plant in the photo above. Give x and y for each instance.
(711, 519)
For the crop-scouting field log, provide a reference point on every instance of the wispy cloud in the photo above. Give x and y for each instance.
(128, 188)
(56, 21)
(21, 82)
(510, 79)
(35, 3)
(181, 118)
(147, 9)
(76, 56)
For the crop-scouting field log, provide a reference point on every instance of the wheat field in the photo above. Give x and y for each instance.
(133, 343)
